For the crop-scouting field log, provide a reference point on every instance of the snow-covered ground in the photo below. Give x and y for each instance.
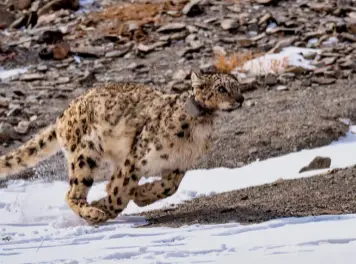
(36, 225)
(8, 74)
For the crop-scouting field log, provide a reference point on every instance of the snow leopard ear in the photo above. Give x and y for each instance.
(197, 79)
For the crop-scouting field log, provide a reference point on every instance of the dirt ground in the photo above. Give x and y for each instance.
(282, 122)
(333, 193)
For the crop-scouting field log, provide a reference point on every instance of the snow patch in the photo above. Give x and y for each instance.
(309, 238)
(278, 63)
(7, 74)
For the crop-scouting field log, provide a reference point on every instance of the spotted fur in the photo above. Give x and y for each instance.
(121, 132)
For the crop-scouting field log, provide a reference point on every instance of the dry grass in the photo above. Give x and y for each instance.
(139, 11)
(115, 20)
(226, 63)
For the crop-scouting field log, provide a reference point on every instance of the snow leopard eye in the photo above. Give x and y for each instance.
(221, 89)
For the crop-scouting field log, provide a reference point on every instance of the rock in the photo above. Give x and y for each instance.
(62, 80)
(247, 81)
(193, 8)
(61, 51)
(174, 36)
(207, 67)
(120, 52)
(252, 28)
(286, 77)
(277, 182)
(116, 53)
(192, 29)
(229, 24)
(46, 54)
(210, 20)
(191, 37)
(35, 6)
(252, 150)
(348, 63)
(31, 77)
(345, 121)
(306, 82)
(321, 7)
(33, 118)
(50, 37)
(351, 26)
(181, 75)
(265, 2)
(317, 163)
(218, 50)
(19, 22)
(323, 80)
(132, 26)
(18, 93)
(22, 127)
(285, 30)
(329, 61)
(145, 48)
(271, 79)
(282, 44)
(179, 87)
(149, 48)
(88, 51)
(42, 68)
(351, 22)
(250, 103)
(88, 79)
(4, 102)
(281, 88)
(195, 46)
(348, 36)
(314, 34)
(171, 27)
(55, 5)
(24, 4)
(6, 17)
(15, 110)
(244, 42)
(52, 18)
(7, 133)
(264, 19)
(329, 42)
(244, 197)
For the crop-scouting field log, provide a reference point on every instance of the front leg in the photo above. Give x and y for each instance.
(120, 190)
(149, 193)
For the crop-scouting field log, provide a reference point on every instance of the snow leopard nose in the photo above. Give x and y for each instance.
(240, 99)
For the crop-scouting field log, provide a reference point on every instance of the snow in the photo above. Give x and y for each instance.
(86, 2)
(36, 225)
(277, 63)
(7, 74)
(293, 240)
(332, 41)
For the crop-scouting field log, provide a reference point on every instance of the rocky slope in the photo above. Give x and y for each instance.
(69, 47)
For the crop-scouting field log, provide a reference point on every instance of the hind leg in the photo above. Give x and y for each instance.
(120, 190)
(149, 193)
(83, 165)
